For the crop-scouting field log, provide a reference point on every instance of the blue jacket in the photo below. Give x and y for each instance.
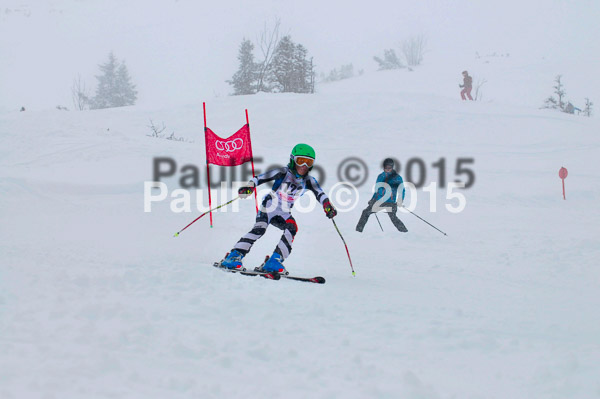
(394, 180)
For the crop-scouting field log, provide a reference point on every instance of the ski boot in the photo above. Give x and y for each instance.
(273, 264)
(233, 260)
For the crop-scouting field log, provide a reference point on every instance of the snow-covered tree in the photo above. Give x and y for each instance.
(126, 93)
(245, 80)
(345, 72)
(389, 61)
(302, 70)
(114, 85)
(551, 103)
(282, 67)
(291, 71)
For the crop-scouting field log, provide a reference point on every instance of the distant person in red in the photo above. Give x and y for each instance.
(466, 86)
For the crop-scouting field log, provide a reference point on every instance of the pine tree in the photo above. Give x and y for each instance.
(245, 80)
(291, 71)
(106, 83)
(332, 77)
(282, 67)
(300, 82)
(114, 85)
(126, 93)
(551, 103)
(390, 60)
(346, 71)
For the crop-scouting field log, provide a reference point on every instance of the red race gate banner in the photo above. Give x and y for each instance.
(231, 151)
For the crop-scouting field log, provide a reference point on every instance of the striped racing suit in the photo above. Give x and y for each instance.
(276, 207)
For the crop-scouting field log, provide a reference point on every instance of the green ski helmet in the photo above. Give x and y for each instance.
(302, 150)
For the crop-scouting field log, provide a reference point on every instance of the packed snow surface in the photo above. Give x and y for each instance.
(98, 299)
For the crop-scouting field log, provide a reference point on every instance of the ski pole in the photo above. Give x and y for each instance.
(378, 222)
(210, 210)
(344, 241)
(425, 221)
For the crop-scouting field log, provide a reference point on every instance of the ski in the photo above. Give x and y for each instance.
(245, 272)
(270, 275)
(316, 280)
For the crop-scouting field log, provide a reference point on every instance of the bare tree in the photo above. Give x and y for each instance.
(268, 40)
(559, 90)
(413, 49)
(587, 111)
(312, 76)
(156, 131)
(478, 93)
(80, 94)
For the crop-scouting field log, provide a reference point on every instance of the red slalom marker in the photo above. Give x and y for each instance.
(563, 173)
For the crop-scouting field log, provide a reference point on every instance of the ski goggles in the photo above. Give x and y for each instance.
(302, 160)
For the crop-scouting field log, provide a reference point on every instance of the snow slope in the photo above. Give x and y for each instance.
(97, 299)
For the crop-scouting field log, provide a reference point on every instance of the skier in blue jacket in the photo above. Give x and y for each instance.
(389, 181)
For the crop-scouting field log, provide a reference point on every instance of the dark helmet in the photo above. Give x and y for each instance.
(388, 162)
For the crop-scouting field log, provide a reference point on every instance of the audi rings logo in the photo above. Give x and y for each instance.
(229, 146)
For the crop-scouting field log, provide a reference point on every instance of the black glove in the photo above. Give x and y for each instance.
(245, 191)
(330, 211)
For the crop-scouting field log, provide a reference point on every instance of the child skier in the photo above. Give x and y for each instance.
(390, 177)
(291, 183)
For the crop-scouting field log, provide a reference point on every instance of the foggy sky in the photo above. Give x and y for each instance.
(182, 51)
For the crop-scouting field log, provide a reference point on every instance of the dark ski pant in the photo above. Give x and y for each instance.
(392, 209)
(284, 247)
